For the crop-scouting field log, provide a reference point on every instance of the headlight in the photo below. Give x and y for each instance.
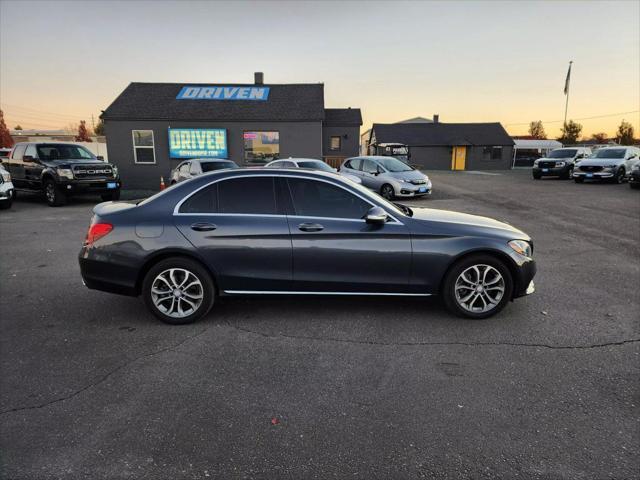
(636, 167)
(522, 247)
(115, 170)
(560, 164)
(65, 173)
(610, 168)
(535, 163)
(6, 177)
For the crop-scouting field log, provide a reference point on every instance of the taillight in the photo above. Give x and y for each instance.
(96, 232)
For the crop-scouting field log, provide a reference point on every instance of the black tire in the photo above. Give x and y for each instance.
(620, 174)
(537, 176)
(579, 180)
(6, 204)
(448, 285)
(107, 197)
(634, 185)
(53, 195)
(387, 191)
(566, 175)
(208, 291)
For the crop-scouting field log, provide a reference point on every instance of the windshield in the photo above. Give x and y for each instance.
(64, 152)
(315, 164)
(609, 153)
(563, 153)
(211, 166)
(394, 165)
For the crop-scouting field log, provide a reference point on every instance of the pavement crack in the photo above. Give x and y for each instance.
(108, 374)
(417, 344)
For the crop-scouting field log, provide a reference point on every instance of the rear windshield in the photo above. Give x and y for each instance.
(564, 153)
(610, 153)
(211, 166)
(315, 164)
(65, 152)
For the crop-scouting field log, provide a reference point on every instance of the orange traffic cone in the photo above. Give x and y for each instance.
(162, 185)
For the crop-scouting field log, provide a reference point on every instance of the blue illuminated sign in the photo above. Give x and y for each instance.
(213, 92)
(198, 143)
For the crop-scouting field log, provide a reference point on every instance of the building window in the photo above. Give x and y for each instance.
(335, 143)
(494, 153)
(143, 149)
(261, 147)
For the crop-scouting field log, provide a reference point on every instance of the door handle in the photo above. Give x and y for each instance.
(203, 227)
(310, 227)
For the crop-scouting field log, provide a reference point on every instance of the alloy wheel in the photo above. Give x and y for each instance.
(177, 292)
(50, 192)
(479, 288)
(387, 192)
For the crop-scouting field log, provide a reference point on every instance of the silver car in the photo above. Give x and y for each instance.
(310, 163)
(197, 166)
(388, 176)
(608, 163)
(6, 189)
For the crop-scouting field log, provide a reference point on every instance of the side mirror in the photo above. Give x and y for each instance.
(28, 159)
(100, 157)
(376, 216)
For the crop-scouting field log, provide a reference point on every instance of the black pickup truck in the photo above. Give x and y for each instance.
(60, 170)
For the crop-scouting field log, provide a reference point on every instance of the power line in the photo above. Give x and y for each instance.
(583, 118)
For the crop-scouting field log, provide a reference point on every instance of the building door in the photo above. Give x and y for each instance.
(458, 158)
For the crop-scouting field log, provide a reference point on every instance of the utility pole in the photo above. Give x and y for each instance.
(93, 123)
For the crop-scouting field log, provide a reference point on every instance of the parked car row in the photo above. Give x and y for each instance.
(614, 163)
(387, 176)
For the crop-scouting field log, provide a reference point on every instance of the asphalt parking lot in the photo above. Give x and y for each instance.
(92, 386)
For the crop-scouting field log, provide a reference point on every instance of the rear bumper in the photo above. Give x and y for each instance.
(107, 276)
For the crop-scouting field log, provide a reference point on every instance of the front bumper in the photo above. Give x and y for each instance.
(407, 190)
(78, 187)
(6, 191)
(525, 271)
(601, 175)
(551, 171)
(634, 177)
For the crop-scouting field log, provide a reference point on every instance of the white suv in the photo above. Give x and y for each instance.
(608, 163)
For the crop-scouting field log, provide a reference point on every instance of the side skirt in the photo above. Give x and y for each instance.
(374, 294)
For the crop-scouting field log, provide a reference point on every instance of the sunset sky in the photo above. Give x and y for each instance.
(467, 61)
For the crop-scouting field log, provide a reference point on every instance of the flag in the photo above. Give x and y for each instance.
(566, 82)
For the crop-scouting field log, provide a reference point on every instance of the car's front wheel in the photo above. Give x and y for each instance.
(55, 197)
(178, 290)
(387, 191)
(477, 287)
(619, 178)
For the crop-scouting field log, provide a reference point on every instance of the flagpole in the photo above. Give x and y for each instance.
(566, 105)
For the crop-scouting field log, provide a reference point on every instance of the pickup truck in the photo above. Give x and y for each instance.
(60, 170)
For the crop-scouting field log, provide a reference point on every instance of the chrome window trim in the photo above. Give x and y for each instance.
(176, 209)
(280, 292)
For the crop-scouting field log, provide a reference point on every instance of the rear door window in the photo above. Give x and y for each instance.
(248, 195)
(203, 201)
(355, 164)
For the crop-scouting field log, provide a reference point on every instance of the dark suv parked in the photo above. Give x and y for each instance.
(60, 170)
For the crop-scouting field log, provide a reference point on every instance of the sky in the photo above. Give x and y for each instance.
(472, 61)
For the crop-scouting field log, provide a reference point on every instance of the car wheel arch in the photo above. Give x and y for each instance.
(498, 254)
(173, 253)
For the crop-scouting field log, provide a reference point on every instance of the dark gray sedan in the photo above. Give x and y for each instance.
(294, 232)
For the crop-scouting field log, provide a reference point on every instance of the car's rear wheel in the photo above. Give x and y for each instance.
(387, 191)
(477, 287)
(54, 196)
(178, 290)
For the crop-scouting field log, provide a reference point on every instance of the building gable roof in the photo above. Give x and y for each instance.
(342, 117)
(157, 101)
(442, 134)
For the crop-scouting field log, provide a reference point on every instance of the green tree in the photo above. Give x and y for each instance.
(99, 129)
(18, 127)
(600, 137)
(570, 132)
(536, 130)
(83, 134)
(5, 136)
(624, 136)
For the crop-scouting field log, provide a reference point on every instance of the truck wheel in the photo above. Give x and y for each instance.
(537, 176)
(54, 196)
(107, 197)
(6, 204)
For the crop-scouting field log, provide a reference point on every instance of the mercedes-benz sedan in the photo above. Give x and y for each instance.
(298, 232)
